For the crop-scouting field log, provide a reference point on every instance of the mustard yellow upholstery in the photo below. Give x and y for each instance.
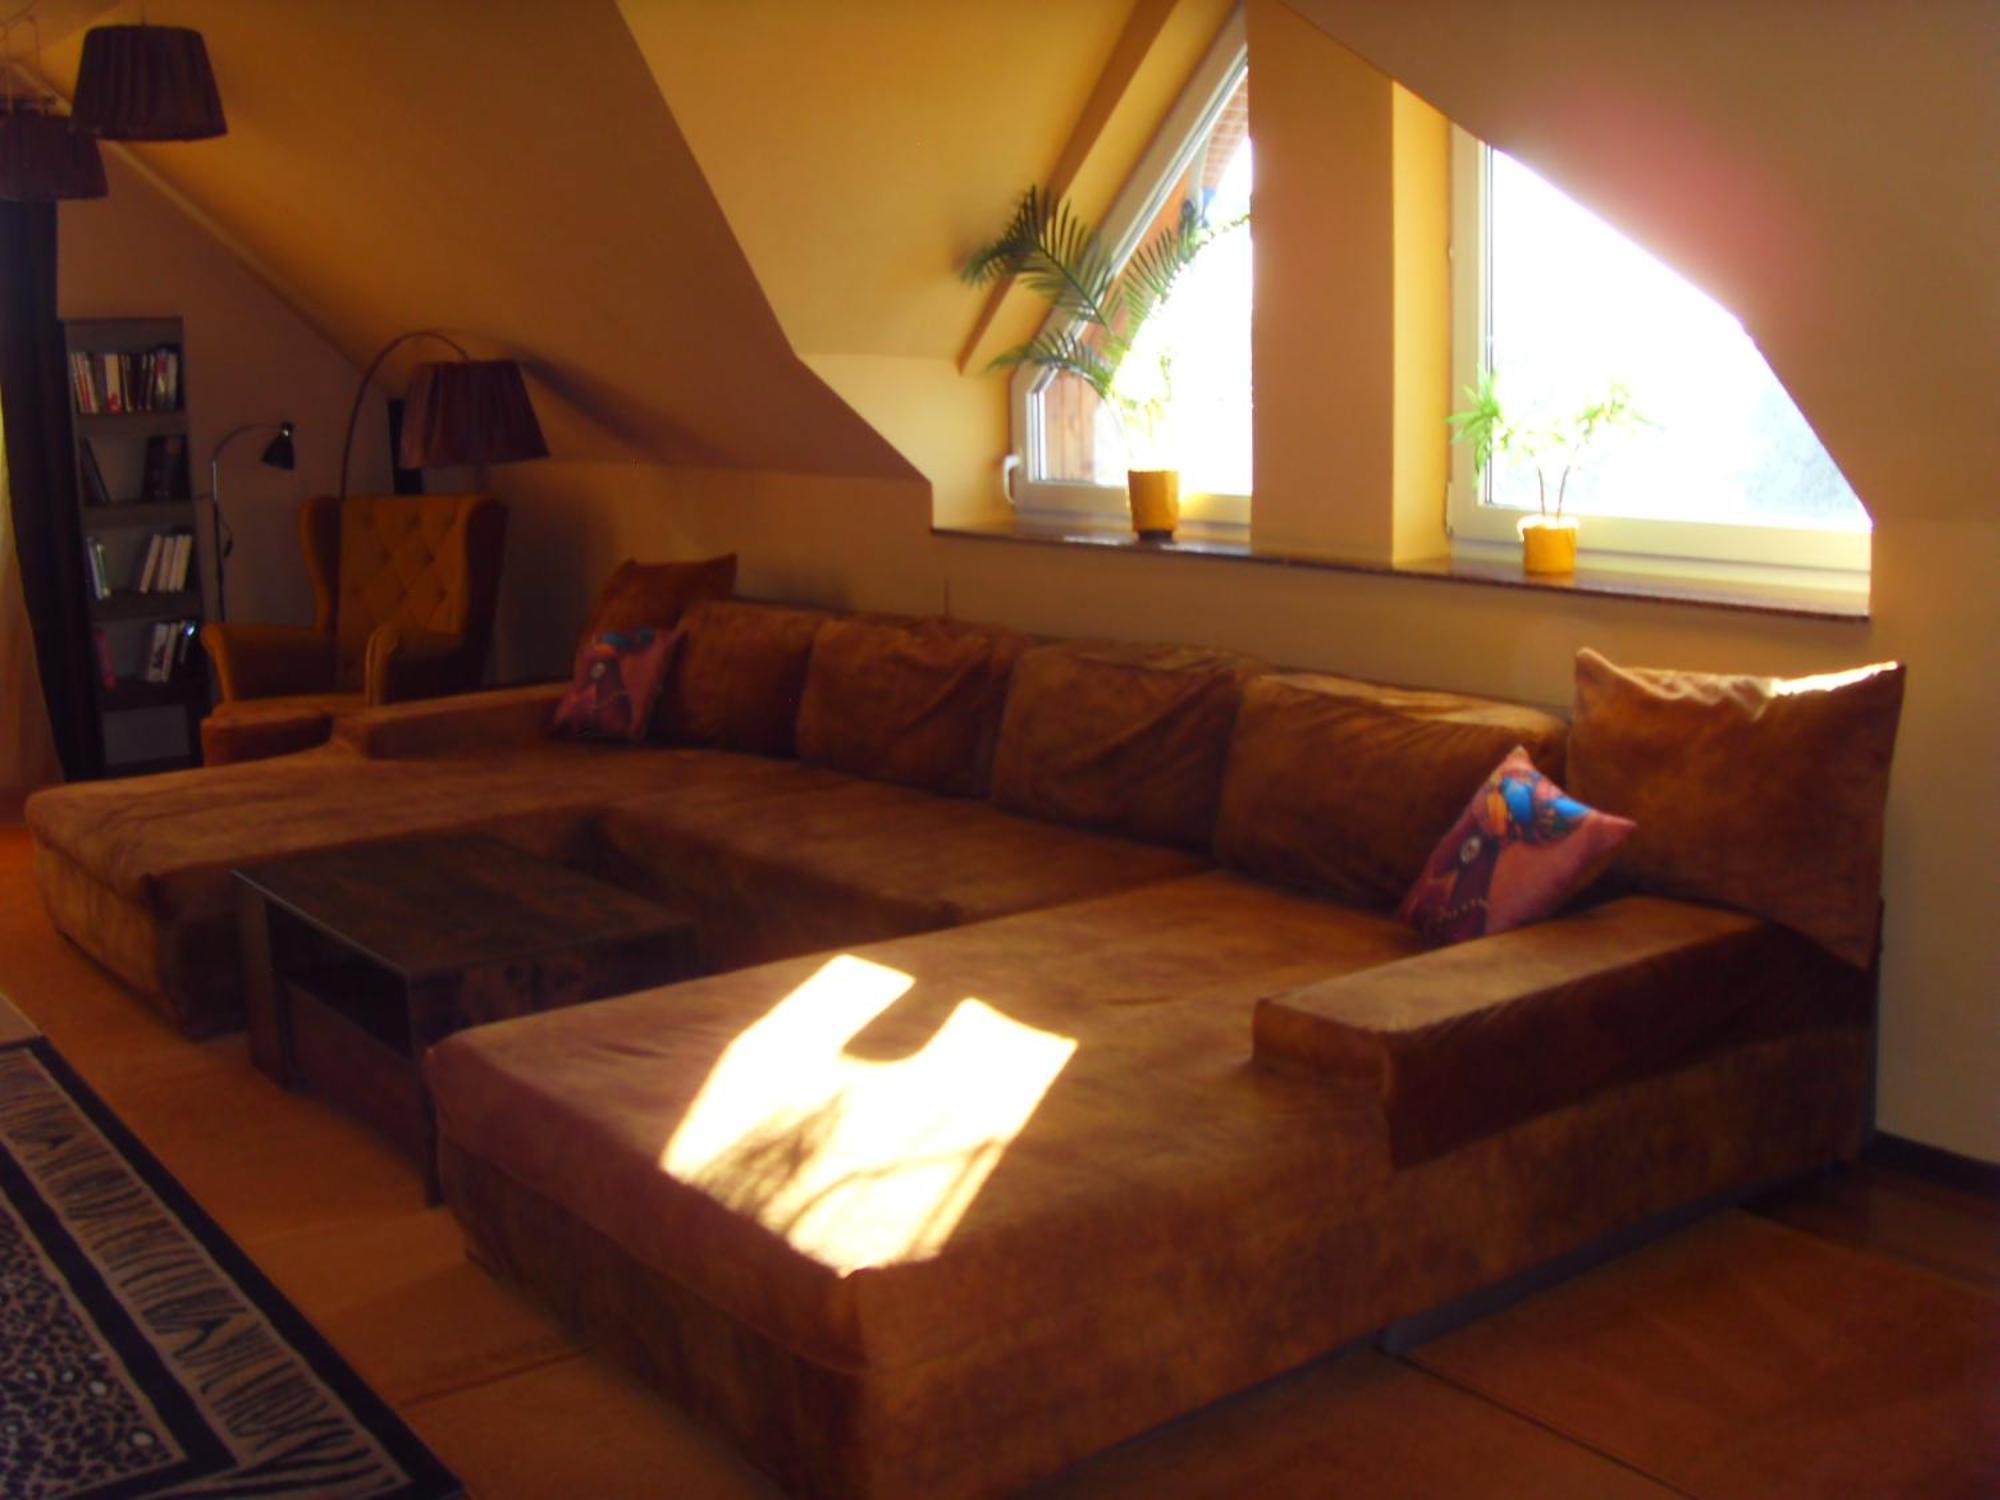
(404, 588)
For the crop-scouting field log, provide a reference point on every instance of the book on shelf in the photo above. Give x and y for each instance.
(100, 573)
(104, 668)
(177, 566)
(166, 467)
(149, 565)
(139, 380)
(83, 377)
(95, 492)
(171, 646)
(159, 652)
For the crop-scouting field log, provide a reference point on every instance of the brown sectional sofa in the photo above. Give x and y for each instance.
(1062, 1069)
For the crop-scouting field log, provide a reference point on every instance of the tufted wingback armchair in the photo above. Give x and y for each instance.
(404, 588)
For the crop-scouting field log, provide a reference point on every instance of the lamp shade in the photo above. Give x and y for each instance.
(473, 411)
(147, 83)
(42, 158)
(279, 453)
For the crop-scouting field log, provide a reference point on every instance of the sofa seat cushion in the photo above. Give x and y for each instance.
(259, 728)
(855, 862)
(879, 1156)
(168, 843)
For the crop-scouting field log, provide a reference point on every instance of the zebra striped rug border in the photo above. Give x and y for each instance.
(141, 1353)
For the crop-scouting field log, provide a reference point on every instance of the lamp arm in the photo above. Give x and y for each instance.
(215, 453)
(367, 379)
(223, 537)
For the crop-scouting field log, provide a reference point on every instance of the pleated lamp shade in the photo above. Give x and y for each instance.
(42, 158)
(473, 411)
(147, 83)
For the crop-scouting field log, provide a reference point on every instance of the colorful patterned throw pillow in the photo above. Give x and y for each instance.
(619, 674)
(1521, 849)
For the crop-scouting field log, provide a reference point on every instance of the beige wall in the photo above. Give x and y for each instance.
(864, 540)
(864, 545)
(250, 358)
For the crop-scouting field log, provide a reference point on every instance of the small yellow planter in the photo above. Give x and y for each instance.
(1548, 544)
(1156, 502)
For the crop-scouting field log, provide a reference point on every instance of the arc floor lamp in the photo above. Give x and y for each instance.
(462, 411)
(278, 454)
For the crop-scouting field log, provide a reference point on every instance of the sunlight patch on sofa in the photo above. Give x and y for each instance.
(856, 1162)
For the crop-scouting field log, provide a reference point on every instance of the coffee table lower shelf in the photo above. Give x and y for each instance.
(335, 1057)
(356, 961)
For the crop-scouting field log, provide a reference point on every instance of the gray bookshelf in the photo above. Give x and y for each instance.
(129, 427)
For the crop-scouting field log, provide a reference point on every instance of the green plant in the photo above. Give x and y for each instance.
(1057, 253)
(1484, 423)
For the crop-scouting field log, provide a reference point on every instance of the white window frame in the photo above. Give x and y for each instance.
(1159, 171)
(1708, 549)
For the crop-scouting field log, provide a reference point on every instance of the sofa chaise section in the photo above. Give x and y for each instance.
(934, 1216)
(138, 874)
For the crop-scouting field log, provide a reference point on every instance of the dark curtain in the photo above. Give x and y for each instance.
(41, 475)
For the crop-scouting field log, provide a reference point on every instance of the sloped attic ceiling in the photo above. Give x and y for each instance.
(861, 148)
(511, 173)
(1827, 172)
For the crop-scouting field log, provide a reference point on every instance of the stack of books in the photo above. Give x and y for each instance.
(163, 568)
(168, 651)
(106, 383)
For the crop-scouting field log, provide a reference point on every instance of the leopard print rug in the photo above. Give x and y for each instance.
(141, 1354)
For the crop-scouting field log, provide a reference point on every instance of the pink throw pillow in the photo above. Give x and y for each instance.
(619, 674)
(1522, 848)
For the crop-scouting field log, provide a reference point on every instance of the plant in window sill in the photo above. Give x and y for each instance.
(1101, 337)
(1548, 538)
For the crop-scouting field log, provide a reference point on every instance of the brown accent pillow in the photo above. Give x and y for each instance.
(657, 594)
(1763, 793)
(1126, 738)
(736, 679)
(910, 701)
(1345, 787)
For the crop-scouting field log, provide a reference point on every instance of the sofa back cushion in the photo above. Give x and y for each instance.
(1345, 787)
(1126, 738)
(737, 675)
(911, 701)
(1763, 793)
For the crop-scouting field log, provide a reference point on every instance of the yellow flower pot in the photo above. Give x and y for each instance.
(1156, 502)
(1548, 544)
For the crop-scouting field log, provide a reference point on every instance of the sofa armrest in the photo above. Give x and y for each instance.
(1465, 1041)
(269, 661)
(404, 662)
(467, 724)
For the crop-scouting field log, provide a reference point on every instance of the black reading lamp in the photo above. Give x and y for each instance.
(278, 454)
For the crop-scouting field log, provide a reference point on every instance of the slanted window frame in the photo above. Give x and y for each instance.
(1158, 173)
(1483, 531)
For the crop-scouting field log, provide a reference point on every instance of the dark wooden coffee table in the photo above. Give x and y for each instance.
(356, 960)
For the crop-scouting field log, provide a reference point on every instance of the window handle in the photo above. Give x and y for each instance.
(1008, 464)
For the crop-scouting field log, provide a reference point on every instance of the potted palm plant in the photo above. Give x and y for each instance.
(1548, 537)
(1102, 309)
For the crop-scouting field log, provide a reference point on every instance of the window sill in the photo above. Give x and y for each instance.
(1661, 588)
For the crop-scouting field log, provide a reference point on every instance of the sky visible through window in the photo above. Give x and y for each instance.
(1575, 306)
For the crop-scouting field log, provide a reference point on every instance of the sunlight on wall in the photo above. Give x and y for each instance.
(855, 1162)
